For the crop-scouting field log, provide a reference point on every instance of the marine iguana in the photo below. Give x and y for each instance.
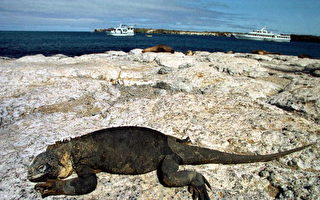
(128, 150)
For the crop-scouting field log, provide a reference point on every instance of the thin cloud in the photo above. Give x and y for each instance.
(159, 12)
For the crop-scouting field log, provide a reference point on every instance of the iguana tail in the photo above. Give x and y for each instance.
(196, 155)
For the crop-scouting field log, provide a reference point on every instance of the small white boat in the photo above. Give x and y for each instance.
(263, 35)
(122, 30)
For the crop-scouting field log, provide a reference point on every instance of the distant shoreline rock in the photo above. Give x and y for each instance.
(294, 37)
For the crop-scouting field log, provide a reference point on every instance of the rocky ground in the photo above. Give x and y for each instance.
(241, 103)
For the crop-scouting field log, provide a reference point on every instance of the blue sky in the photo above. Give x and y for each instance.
(285, 16)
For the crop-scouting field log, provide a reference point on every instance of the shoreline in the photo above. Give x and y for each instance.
(257, 51)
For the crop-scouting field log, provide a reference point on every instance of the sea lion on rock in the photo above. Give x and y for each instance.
(158, 48)
(189, 53)
(264, 52)
(304, 56)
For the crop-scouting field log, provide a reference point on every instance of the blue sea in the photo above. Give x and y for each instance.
(15, 44)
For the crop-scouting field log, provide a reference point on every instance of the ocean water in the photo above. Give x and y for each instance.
(15, 44)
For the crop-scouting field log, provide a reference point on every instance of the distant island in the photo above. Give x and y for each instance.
(294, 37)
(166, 31)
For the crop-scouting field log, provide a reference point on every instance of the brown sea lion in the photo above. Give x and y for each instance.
(158, 48)
(189, 53)
(263, 52)
(304, 56)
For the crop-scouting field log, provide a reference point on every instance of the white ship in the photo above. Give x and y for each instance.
(122, 30)
(263, 35)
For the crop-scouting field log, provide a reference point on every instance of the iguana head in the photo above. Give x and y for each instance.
(48, 165)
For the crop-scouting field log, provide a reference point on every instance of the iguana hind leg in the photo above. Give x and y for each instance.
(170, 176)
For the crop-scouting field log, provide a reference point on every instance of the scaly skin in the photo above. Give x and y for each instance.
(128, 150)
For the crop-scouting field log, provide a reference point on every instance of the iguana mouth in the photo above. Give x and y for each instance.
(37, 178)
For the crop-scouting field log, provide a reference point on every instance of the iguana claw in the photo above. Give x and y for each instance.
(199, 192)
(198, 188)
(48, 188)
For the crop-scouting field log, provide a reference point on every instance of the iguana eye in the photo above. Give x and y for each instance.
(42, 168)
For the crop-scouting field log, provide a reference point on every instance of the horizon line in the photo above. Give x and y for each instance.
(93, 31)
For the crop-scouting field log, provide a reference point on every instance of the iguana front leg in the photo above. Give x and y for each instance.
(170, 176)
(85, 183)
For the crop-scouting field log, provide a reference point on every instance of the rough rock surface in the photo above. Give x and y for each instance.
(242, 103)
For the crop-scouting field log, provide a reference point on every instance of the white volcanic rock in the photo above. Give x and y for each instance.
(236, 66)
(239, 103)
(175, 60)
(302, 95)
